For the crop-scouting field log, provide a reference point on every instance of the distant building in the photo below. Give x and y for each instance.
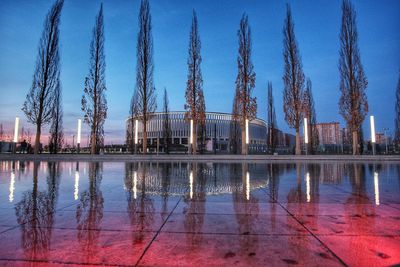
(329, 133)
(380, 138)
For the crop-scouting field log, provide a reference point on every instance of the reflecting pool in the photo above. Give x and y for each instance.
(201, 214)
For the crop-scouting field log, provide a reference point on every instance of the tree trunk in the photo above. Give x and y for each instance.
(298, 147)
(244, 145)
(94, 143)
(356, 150)
(37, 139)
(144, 137)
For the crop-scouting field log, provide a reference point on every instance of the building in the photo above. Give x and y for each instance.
(217, 134)
(329, 133)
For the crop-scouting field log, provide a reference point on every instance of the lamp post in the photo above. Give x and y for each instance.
(306, 135)
(373, 140)
(16, 127)
(73, 143)
(78, 138)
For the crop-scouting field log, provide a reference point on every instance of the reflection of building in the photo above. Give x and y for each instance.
(328, 133)
(218, 126)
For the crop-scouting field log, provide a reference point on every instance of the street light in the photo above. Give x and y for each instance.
(78, 138)
(306, 134)
(247, 131)
(373, 140)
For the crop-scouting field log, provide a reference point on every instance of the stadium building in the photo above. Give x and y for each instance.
(217, 136)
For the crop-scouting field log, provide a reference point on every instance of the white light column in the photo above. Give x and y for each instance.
(373, 140)
(191, 136)
(136, 134)
(306, 134)
(78, 138)
(247, 131)
(16, 127)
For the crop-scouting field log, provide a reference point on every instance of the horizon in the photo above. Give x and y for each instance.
(317, 32)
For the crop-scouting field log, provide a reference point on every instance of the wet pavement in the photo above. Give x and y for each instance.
(199, 214)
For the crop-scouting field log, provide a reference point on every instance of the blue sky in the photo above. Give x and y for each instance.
(317, 25)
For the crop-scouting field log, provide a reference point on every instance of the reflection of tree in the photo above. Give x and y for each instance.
(195, 204)
(246, 210)
(140, 208)
(89, 211)
(165, 186)
(35, 213)
(296, 194)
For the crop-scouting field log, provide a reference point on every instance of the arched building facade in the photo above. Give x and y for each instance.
(218, 131)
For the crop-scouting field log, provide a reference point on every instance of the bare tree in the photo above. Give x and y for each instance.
(146, 92)
(353, 103)
(94, 103)
(397, 115)
(38, 106)
(309, 113)
(56, 138)
(245, 81)
(166, 124)
(293, 79)
(271, 122)
(195, 104)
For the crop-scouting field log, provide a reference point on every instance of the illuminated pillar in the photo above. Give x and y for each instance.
(16, 133)
(191, 136)
(306, 134)
(373, 140)
(247, 131)
(78, 138)
(136, 134)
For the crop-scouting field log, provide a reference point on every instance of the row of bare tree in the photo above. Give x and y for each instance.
(43, 101)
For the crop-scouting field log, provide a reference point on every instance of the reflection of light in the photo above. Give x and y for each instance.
(372, 120)
(308, 187)
(305, 131)
(247, 131)
(247, 185)
(78, 138)
(191, 184)
(12, 187)
(376, 187)
(134, 184)
(16, 130)
(76, 186)
(136, 131)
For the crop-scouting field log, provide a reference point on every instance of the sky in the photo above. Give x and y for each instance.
(317, 25)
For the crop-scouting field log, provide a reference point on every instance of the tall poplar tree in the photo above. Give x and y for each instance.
(309, 113)
(39, 103)
(293, 79)
(353, 104)
(245, 81)
(94, 103)
(145, 91)
(195, 104)
(56, 128)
